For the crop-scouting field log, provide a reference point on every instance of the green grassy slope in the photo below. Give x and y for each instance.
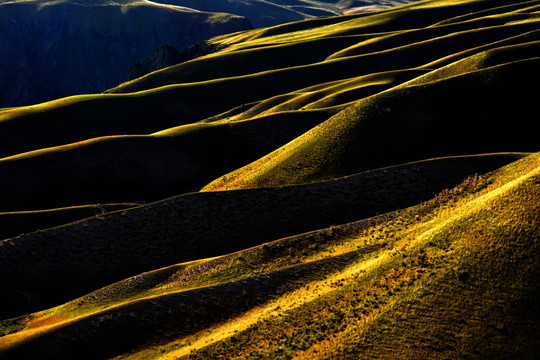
(456, 272)
(175, 160)
(145, 167)
(425, 117)
(265, 53)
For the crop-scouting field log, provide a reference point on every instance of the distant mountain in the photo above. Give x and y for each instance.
(360, 6)
(52, 49)
(260, 13)
(109, 42)
(263, 13)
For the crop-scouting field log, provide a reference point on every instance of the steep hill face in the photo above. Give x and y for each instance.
(53, 49)
(164, 56)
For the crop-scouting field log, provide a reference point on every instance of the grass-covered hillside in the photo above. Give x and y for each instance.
(362, 186)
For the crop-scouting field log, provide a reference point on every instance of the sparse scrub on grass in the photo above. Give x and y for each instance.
(431, 257)
(470, 184)
(419, 279)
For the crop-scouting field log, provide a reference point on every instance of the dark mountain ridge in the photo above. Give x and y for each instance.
(99, 40)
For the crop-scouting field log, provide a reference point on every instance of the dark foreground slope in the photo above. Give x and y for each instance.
(442, 279)
(20, 222)
(67, 261)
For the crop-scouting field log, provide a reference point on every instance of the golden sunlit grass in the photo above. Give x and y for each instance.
(200, 225)
(406, 259)
(427, 256)
(317, 156)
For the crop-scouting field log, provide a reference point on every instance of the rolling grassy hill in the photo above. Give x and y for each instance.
(457, 272)
(268, 87)
(109, 247)
(410, 119)
(358, 186)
